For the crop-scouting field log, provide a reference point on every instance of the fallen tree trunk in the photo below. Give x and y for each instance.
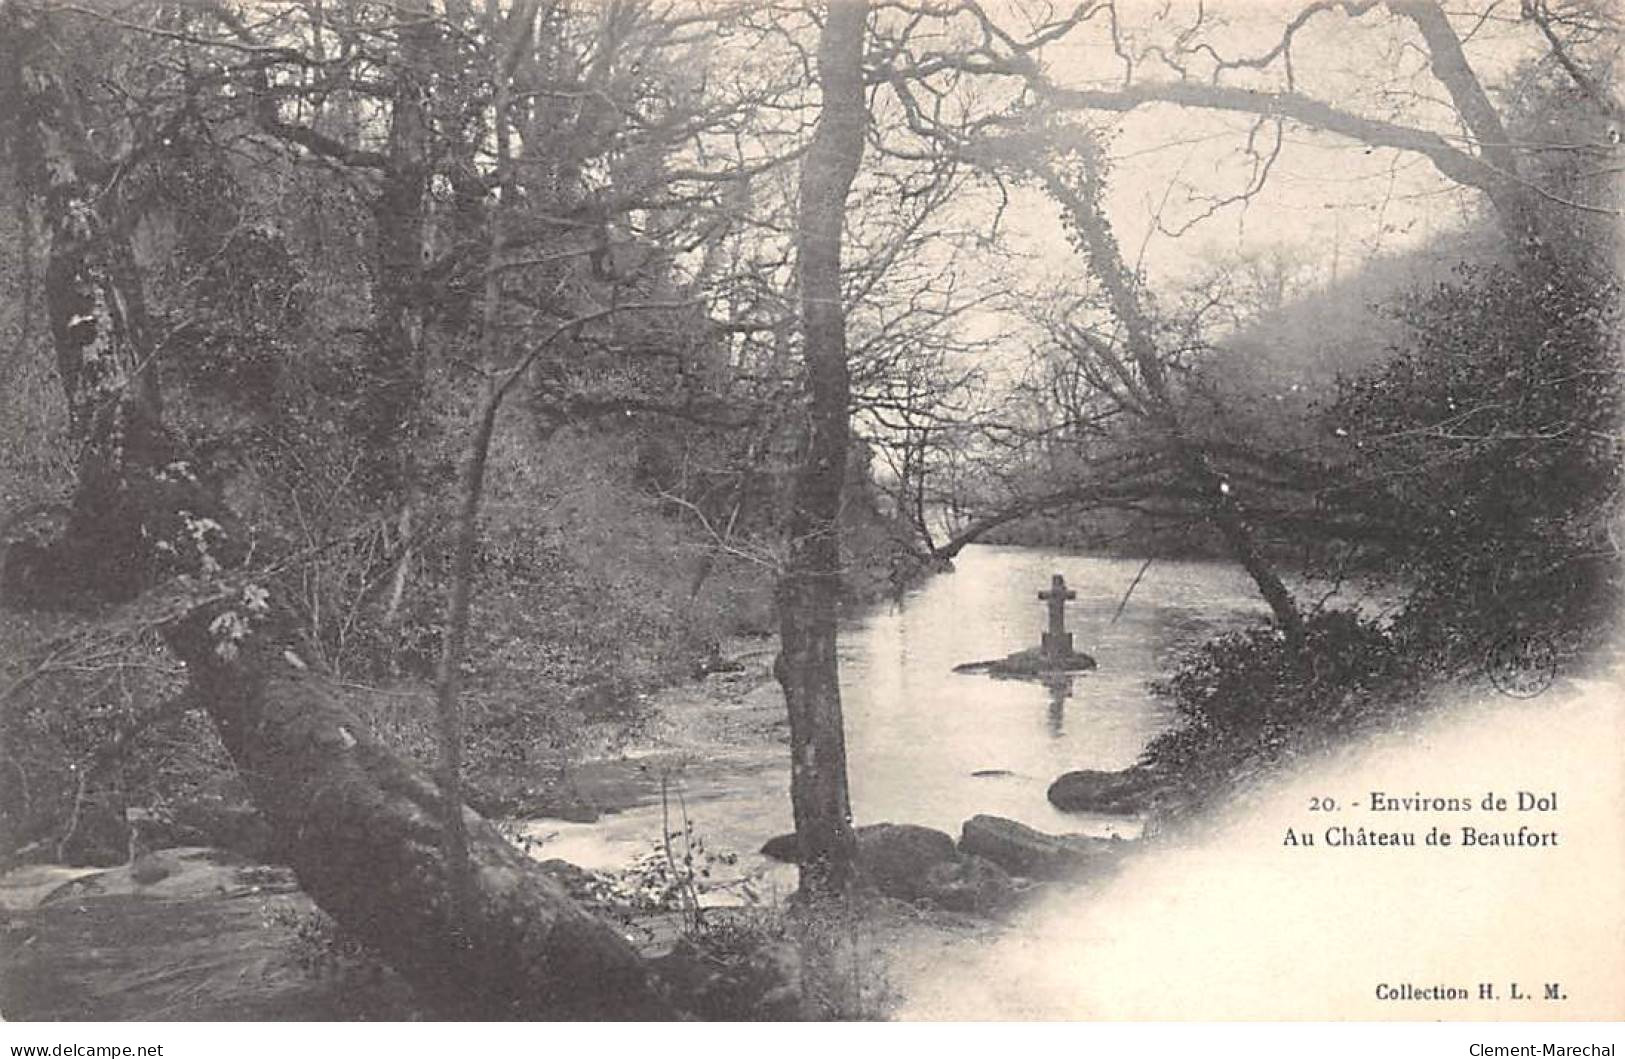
(361, 827)
(362, 830)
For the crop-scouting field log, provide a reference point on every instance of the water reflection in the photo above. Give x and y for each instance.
(1060, 689)
(926, 745)
(917, 731)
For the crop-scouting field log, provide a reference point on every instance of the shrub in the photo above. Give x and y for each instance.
(1246, 702)
(1491, 445)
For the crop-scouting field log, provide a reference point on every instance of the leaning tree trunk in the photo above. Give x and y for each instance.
(1105, 257)
(361, 828)
(809, 587)
(1514, 198)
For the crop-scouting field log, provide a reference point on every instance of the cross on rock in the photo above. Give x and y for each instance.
(1057, 641)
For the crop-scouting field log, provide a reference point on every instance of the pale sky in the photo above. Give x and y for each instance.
(1325, 196)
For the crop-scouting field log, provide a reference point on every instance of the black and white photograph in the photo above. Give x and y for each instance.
(658, 511)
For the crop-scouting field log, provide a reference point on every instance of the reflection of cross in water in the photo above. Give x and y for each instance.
(1057, 641)
(1060, 689)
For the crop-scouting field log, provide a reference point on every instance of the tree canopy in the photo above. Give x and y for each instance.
(526, 349)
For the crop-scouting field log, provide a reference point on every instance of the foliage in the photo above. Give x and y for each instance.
(318, 263)
(678, 874)
(723, 961)
(1490, 444)
(90, 723)
(1487, 453)
(321, 946)
(1246, 703)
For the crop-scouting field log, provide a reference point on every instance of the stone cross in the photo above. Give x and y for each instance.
(1057, 641)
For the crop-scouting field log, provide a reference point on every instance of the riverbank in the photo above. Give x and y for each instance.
(204, 934)
(184, 934)
(697, 747)
(1221, 919)
(708, 759)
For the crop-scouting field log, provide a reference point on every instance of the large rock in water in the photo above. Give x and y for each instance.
(920, 864)
(1087, 791)
(894, 858)
(1032, 662)
(786, 849)
(1022, 850)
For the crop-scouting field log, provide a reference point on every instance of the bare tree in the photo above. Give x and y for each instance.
(1188, 70)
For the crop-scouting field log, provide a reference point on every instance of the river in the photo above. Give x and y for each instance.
(1219, 920)
(918, 733)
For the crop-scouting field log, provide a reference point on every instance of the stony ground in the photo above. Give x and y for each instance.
(198, 934)
(183, 935)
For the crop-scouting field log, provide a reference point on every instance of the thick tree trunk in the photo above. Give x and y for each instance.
(389, 419)
(389, 414)
(1512, 197)
(104, 354)
(809, 587)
